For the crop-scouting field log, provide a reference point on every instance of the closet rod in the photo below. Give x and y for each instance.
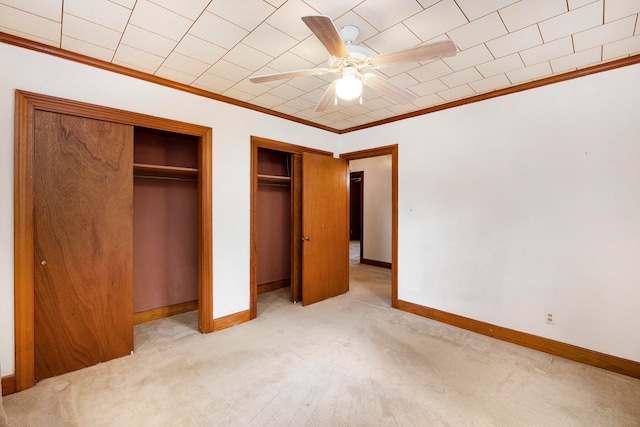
(165, 177)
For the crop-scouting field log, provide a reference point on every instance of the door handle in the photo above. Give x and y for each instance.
(306, 238)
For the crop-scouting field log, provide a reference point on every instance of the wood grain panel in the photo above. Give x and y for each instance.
(296, 228)
(556, 348)
(26, 103)
(8, 385)
(83, 194)
(162, 312)
(325, 227)
(231, 320)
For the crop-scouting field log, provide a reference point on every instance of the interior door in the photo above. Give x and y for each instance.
(83, 193)
(325, 228)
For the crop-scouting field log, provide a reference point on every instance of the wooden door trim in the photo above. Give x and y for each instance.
(256, 143)
(383, 151)
(26, 103)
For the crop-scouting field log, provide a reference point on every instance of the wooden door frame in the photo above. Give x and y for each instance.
(376, 152)
(256, 143)
(26, 103)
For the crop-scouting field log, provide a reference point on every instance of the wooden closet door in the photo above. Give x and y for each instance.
(325, 228)
(83, 192)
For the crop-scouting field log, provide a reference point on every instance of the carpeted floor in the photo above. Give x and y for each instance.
(348, 361)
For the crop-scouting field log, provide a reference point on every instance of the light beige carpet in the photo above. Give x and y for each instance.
(349, 361)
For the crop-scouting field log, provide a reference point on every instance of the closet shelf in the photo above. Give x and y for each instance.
(274, 179)
(164, 171)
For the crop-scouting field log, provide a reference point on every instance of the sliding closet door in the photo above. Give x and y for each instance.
(83, 191)
(325, 228)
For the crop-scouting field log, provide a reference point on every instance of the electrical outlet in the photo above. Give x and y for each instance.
(550, 317)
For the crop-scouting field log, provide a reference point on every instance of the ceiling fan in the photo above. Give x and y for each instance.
(353, 64)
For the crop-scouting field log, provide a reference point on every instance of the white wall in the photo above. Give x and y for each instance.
(377, 206)
(232, 128)
(525, 203)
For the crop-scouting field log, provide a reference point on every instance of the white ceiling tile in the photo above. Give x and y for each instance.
(351, 18)
(436, 20)
(461, 77)
(200, 49)
(177, 61)
(132, 66)
(572, 22)
(268, 100)
(457, 92)
(547, 51)
(333, 9)
(247, 57)
(616, 9)
(236, 11)
(380, 114)
(228, 71)
(286, 91)
(376, 103)
(312, 50)
(235, 93)
(288, 19)
(159, 20)
(430, 71)
(393, 14)
(392, 39)
(398, 69)
(475, 9)
(428, 101)
(514, 42)
(307, 84)
(252, 89)
(576, 60)
(403, 80)
(479, 31)
(129, 4)
(290, 62)
(502, 65)
(101, 12)
(285, 109)
(89, 32)
(88, 49)
(269, 40)
(190, 9)
(28, 36)
(336, 115)
(138, 58)
(175, 75)
(603, 34)
(210, 82)
(574, 4)
(427, 88)
(402, 108)
(528, 12)
(300, 103)
(276, 3)
(621, 48)
(27, 23)
(522, 75)
(499, 81)
(470, 57)
(149, 42)
(218, 31)
(49, 9)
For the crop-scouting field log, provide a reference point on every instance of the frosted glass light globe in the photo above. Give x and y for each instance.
(348, 86)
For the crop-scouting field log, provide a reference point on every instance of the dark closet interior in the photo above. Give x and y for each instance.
(165, 222)
(274, 219)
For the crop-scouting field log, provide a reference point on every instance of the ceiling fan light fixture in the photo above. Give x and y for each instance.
(349, 86)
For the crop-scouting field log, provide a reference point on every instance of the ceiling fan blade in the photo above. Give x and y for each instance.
(328, 98)
(326, 32)
(394, 92)
(421, 53)
(289, 74)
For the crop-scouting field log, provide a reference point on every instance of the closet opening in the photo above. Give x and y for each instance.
(165, 224)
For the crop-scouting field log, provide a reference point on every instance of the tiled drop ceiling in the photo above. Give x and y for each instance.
(216, 45)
